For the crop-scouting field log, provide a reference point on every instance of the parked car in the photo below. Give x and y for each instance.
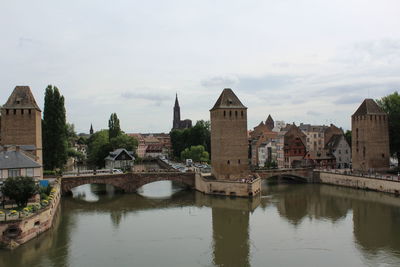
(117, 171)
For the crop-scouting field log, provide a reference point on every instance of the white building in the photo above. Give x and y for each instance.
(15, 162)
(120, 159)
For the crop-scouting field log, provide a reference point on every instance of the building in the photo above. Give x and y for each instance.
(291, 147)
(261, 134)
(177, 122)
(21, 122)
(160, 142)
(120, 159)
(314, 136)
(370, 137)
(278, 126)
(15, 162)
(340, 149)
(229, 144)
(267, 152)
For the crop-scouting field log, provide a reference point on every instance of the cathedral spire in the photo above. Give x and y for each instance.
(91, 129)
(176, 100)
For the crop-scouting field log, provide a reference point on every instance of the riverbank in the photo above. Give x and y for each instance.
(15, 231)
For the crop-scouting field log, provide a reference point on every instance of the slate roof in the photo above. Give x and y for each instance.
(21, 98)
(368, 107)
(16, 160)
(228, 99)
(334, 141)
(114, 154)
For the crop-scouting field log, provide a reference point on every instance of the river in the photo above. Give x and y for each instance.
(290, 225)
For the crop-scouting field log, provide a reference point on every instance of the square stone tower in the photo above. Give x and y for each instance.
(229, 145)
(370, 137)
(21, 122)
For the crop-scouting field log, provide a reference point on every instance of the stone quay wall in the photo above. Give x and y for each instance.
(15, 232)
(358, 182)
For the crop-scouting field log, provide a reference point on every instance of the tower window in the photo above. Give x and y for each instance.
(242, 113)
(30, 112)
(224, 113)
(15, 111)
(7, 111)
(235, 113)
(22, 112)
(229, 162)
(383, 155)
(238, 161)
(230, 113)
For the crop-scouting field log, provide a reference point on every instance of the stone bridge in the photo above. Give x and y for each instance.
(128, 182)
(298, 174)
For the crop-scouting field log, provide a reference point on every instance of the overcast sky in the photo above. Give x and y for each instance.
(300, 61)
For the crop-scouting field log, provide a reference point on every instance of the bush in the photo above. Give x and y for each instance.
(49, 173)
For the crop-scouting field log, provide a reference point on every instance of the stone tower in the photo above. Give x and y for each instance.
(270, 123)
(370, 137)
(177, 114)
(229, 145)
(21, 122)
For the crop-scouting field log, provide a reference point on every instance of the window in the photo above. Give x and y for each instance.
(22, 112)
(383, 155)
(7, 111)
(238, 161)
(15, 111)
(224, 113)
(340, 151)
(242, 113)
(29, 172)
(14, 172)
(230, 113)
(235, 113)
(229, 162)
(30, 112)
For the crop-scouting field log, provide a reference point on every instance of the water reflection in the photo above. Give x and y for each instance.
(132, 229)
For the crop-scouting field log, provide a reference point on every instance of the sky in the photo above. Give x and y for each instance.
(300, 61)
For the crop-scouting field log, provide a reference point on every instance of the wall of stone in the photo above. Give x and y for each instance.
(358, 182)
(16, 232)
(226, 187)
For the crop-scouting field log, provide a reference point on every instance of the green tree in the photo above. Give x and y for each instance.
(391, 105)
(19, 189)
(113, 126)
(197, 135)
(55, 136)
(347, 136)
(196, 153)
(98, 148)
(124, 141)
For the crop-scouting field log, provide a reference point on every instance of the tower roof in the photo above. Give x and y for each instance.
(228, 99)
(269, 119)
(21, 98)
(368, 106)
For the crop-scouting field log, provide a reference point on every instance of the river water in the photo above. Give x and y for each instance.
(290, 225)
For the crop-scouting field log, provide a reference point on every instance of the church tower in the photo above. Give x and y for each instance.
(370, 137)
(177, 114)
(21, 122)
(229, 145)
(91, 131)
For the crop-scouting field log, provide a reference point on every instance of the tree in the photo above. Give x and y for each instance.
(196, 153)
(113, 126)
(391, 105)
(55, 136)
(124, 141)
(347, 136)
(19, 189)
(197, 135)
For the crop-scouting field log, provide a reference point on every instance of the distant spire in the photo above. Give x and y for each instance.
(91, 129)
(176, 100)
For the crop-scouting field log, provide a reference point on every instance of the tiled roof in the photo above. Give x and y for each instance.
(16, 160)
(21, 98)
(367, 107)
(228, 99)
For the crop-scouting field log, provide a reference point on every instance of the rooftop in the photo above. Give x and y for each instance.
(228, 99)
(21, 98)
(368, 107)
